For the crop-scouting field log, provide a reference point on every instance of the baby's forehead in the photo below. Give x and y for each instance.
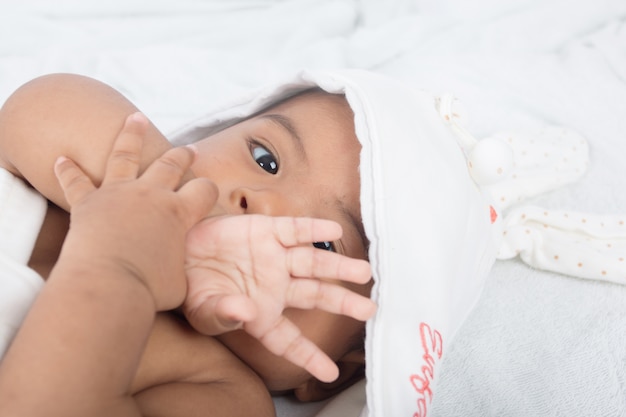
(312, 97)
(246, 108)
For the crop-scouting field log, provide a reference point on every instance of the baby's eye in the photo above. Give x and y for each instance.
(264, 157)
(329, 246)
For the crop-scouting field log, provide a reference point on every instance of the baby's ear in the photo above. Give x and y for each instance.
(351, 370)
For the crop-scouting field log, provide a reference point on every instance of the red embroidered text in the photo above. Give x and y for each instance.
(432, 345)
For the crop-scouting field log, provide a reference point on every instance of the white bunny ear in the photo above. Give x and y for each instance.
(576, 244)
(489, 160)
(513, 166)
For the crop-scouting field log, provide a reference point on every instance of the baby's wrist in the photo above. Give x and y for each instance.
(123, 268)
(104, 280)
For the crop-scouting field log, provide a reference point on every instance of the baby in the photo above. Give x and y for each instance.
(298, 158)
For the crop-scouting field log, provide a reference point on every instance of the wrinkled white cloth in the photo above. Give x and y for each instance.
(22, 211)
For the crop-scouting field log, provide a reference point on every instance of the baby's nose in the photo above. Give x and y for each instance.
(267, 202)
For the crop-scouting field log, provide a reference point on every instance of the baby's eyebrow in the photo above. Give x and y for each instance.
(287, 124)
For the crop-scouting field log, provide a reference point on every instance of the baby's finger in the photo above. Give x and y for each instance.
(170, 168)
(292, 231)
(199, 196)
(309, 262)
(123, 162)
(309, 294)
(285, 339)
(74, 182)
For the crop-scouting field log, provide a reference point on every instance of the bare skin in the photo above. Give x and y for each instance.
(167, 368)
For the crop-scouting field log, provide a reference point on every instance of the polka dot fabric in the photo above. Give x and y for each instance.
(542, 160)
(582, 245)
(576, 244)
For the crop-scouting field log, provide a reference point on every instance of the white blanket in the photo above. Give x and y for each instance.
(537, 343)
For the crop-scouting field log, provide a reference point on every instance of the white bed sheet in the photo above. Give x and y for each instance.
(537, 343)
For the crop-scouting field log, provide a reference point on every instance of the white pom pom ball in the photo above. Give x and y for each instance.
(490, 161)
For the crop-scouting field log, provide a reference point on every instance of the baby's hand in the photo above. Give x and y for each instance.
(243, 271)
(134, 222)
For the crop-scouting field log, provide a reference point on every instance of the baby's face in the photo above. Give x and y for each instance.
(299, 158)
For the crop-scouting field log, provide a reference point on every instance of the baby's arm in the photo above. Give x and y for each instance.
(184, 373)
(80, 344)
(71, 115)
(80, 117)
